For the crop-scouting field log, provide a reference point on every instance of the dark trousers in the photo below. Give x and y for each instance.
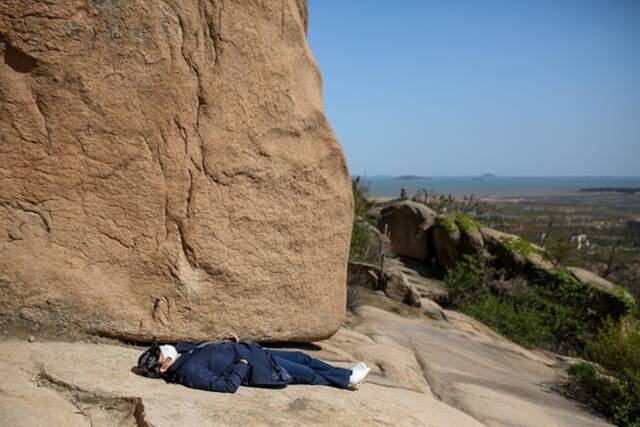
(304, 369)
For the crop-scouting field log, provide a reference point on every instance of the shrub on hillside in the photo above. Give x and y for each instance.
(527, 314)
(476, 288)
(521, 324)
(615, 391)
(360, 235)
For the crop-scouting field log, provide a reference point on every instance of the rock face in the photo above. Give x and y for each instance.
(392, 282)
(166, 168)
(398, 287)
(449, 372)
(364, 275)
(452, 237)
(408, 224)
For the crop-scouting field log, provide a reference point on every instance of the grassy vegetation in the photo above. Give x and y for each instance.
(532, 316)
(465, 223)
(610, 250)
(448, 223)
(556, 316)
(552, 221)
(360, 235)
(521, 246)
(615, 390)
(522, 324)
(442, 204)
(459, 221)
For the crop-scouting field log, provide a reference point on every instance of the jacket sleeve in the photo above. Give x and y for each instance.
(200, 377)
(183, 347)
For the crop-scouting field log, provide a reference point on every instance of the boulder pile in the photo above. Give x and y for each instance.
(444, 240)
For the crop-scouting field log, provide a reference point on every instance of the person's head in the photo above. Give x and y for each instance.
(155, 361)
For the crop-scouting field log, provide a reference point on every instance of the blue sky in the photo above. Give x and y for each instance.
(459, 87)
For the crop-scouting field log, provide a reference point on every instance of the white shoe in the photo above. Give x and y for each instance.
(358, 375)
(359, 365)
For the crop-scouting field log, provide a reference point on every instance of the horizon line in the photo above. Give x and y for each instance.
(420, 176)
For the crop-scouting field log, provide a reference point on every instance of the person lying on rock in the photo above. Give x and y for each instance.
(224, 366)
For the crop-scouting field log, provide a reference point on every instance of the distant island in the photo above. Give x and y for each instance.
(626, 190)
(412, 177)
(486, 176)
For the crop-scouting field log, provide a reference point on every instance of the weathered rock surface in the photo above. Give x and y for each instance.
(364, 275)
(166, 168)
(453, 372)
(473, 369)
(396, 286)
(408, 224)
(398, 281)
(419, 276)
(514, 253)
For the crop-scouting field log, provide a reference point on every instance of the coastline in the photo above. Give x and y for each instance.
(501, 187)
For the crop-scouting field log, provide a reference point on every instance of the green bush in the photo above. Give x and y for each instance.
(552, 310)
(360, 235)
(617, 349)
(470, 276)
(528, 314)
(561, 251)
(521, 324)
(615, 392)
(479, 290)
(520, 246)
(360, 242)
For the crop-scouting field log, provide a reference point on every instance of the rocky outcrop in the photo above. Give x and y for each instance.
(455, 236)
(450, 372)
(420, 277)
(64, 392)
(167, 169)
(392, 282)
(398, 287)
(408, 224)
(452, 237)
(364, 275)
(513, 253)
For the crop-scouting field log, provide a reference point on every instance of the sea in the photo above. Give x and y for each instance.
(493, 186)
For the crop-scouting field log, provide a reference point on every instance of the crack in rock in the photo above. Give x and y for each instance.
(98, 409)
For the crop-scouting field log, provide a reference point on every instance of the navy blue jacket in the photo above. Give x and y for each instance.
(217, 367)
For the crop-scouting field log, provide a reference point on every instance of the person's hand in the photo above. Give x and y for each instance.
(243, 353)
(233, 337)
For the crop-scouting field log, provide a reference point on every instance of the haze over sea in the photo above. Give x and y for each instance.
(487, 187)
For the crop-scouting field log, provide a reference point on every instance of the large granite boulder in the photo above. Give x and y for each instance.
(408, 225)
(166, 168)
